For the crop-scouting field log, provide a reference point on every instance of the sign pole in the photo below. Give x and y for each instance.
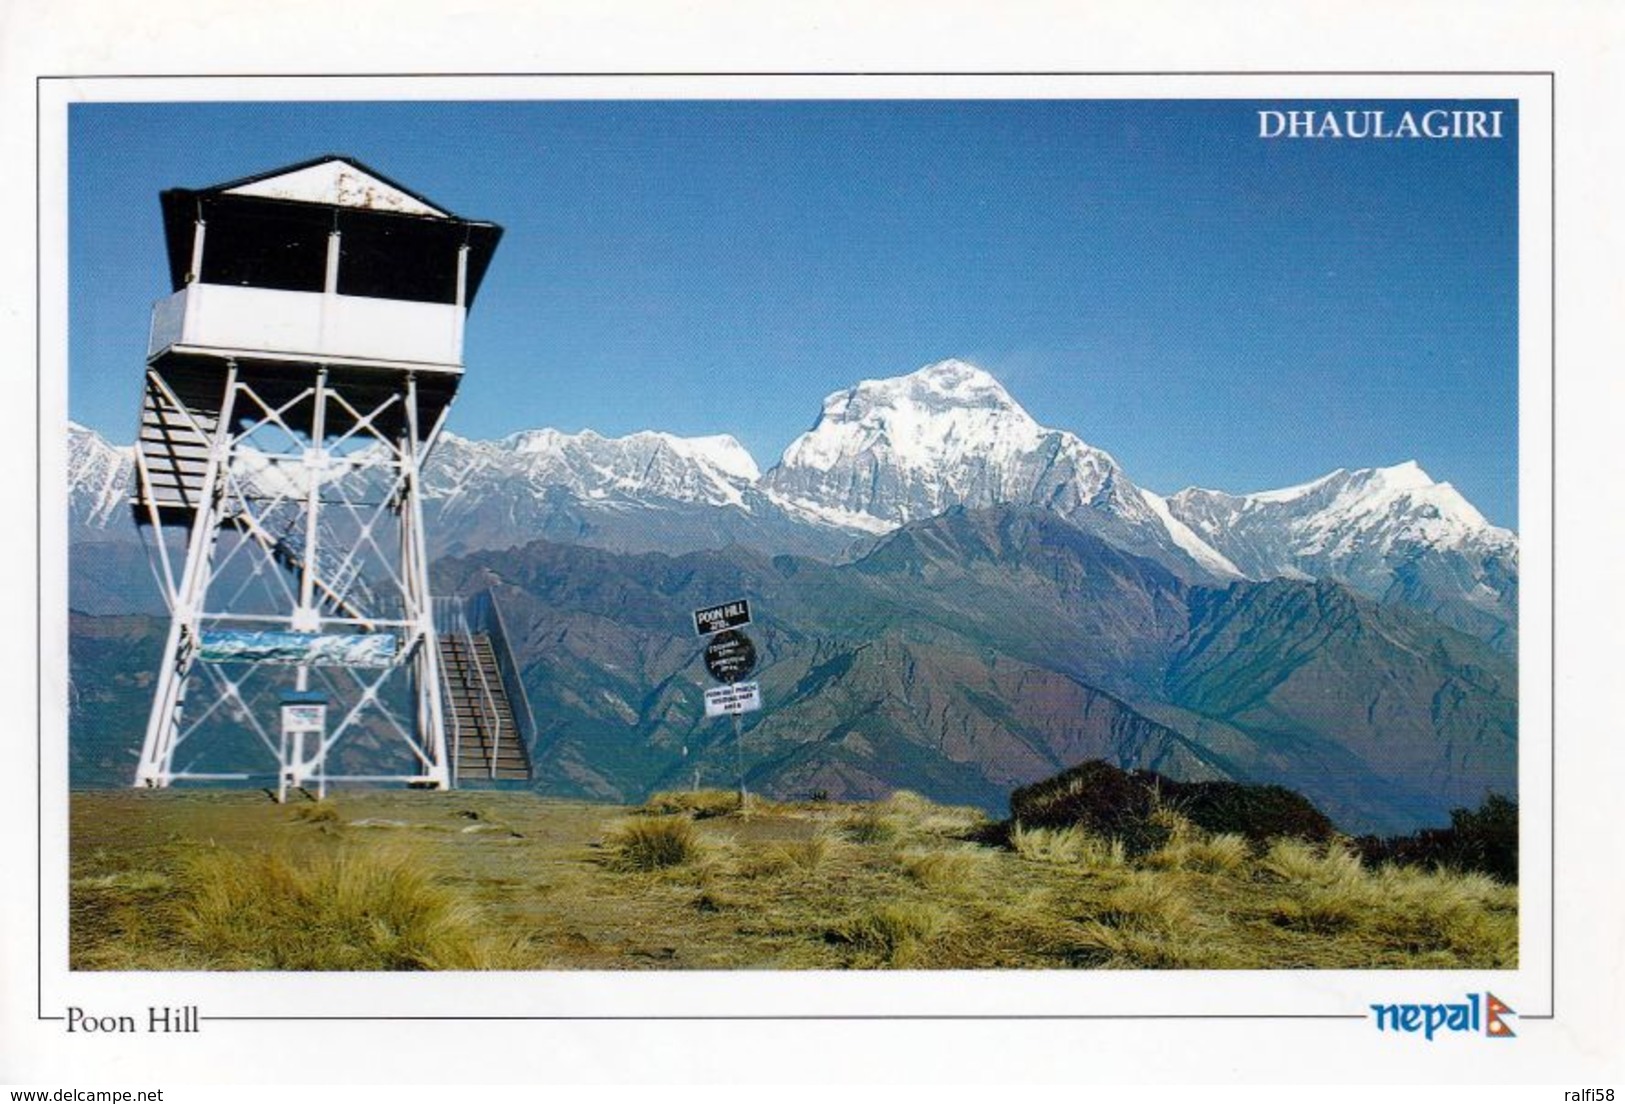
(739, 755)
(730, 656)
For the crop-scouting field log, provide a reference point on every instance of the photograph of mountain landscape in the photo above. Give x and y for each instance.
(1125, 494)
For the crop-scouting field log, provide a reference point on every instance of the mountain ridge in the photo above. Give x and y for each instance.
(979, 650)
(963, 655)
(888, 451)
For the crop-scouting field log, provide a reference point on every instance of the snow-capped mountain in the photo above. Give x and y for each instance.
(1393, 533)
(100, 477)
(713, 471)
(108, 571)
(891, 451)
(888, 452)
(643, 492)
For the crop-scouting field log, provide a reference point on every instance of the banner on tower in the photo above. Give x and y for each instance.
(304, 649)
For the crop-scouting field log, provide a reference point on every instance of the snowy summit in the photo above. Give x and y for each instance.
(925, 420)
(891, 451)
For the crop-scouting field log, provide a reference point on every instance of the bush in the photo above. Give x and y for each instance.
(1117, 804)
(1257, 813)
(1098, 798)
(1483, 841)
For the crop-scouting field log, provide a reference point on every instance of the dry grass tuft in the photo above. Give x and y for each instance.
(908, 803)
(130, 881)
(1462, 914)
(1436, 918)
(1322, 910)
(897, 933)
(872, 825)
(1146, 902)
(1063, 846)
(353, 910)
(1067, 847)
(808, 855)
(906, 816)
(800, 857)
(1295, 860)
(699, 804)
(321, 812)
(1102, 945)
(1222, 854)
(1173, 822)
(1331, 892)
(951, 822)
(654, 843)
(953, 870)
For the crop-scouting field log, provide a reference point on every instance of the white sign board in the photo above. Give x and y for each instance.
(740, 697)
(304, 718)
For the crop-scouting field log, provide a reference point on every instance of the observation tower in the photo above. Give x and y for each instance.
(297, 378)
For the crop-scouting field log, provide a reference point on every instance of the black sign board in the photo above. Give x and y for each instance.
(729, 615)
(730, 656)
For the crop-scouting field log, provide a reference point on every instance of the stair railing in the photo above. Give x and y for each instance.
(449, 709)
(458, 619)
(488, 707)
(448, 618)
(489, 615)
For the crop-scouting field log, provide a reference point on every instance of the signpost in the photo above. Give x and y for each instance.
(304, 714)
(729, 615)
(737, 698)
(730, 656)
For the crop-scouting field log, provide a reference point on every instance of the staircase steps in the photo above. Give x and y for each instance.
(480, 728)
(174, 441)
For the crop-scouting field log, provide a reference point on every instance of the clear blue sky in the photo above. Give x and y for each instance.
(1209, 307)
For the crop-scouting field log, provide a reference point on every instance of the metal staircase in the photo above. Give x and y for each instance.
(178, 420)
(487, 732)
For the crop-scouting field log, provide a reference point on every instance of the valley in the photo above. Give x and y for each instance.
(953, 600)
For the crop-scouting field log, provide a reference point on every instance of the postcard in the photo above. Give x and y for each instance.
(808, 549)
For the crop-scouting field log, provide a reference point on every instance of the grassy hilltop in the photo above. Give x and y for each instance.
(178, 880)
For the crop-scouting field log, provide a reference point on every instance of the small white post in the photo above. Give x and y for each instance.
(739, 753)
(460, 315)
(330, 282)
(307, 618)
(195, 272)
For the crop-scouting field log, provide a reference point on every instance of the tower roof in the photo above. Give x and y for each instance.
(333, 180)
(332, 190)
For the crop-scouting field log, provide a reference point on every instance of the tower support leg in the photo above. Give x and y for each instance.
(308, 524)
(415, 553)
(156, 767)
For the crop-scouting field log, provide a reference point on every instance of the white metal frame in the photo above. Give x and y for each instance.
(306, 531)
